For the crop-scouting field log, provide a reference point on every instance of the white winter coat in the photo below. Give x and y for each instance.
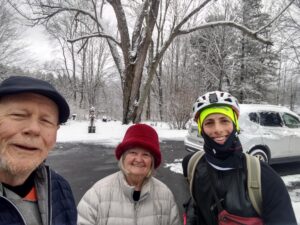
(110, 202)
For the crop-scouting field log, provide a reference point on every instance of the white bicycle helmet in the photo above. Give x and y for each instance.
(215, 98)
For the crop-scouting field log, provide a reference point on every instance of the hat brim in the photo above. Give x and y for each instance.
(132, 143)
(63, 107)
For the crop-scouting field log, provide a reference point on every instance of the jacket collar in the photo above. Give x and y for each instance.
(128, 190)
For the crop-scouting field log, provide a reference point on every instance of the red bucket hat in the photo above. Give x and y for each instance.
(140, 135)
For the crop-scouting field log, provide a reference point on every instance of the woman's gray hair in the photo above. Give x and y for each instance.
(122, 168)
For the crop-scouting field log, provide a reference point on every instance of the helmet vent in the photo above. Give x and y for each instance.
(213, 98)
(228, 100)
(199, 104)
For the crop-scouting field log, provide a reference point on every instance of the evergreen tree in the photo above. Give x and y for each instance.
(213, 55)
(257, 61)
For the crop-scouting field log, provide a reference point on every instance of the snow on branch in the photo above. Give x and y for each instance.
(249, 32)
(252, 33)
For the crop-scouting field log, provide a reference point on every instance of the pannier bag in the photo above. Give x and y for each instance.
(225, 218)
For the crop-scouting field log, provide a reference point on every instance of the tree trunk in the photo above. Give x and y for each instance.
(160, 92)
(74, 73)
(127, 86)
(148, 111)
(243, 71)
(139, 62)
(146, 89)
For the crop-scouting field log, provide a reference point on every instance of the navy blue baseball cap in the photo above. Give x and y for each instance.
(22, 84)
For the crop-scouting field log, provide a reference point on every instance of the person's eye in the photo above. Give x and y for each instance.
(48, 121)
(132, 152)
(225, 121)
(17, 115)
(147, 154)
(207, 123)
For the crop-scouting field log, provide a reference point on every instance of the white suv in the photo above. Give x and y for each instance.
(272, 133)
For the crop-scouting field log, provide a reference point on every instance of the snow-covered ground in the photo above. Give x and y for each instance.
(111, 133)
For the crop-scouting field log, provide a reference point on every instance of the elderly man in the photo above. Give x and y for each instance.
(31, 193)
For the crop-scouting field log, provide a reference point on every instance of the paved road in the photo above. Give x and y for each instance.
(83, 164)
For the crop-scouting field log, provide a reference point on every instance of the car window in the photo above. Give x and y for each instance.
(194, 129)
(254, 117)
(290, 120)
(270, 119)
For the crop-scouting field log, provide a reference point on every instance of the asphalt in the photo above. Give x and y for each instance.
(82, 164)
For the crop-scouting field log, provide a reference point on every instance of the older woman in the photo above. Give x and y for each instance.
(132, 195)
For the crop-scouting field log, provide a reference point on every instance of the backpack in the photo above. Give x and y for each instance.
(253, 178)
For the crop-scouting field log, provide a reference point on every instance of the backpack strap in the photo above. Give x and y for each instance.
(192, 164)
(253, 178)
(254, 182)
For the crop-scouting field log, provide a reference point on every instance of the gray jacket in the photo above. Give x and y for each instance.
(110, 202)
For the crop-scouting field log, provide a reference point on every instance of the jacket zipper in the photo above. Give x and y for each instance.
(49, 196)
(135, 212)
(18, 211)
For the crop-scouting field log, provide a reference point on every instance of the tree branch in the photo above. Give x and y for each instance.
(242, 28)
(96, 17)
(138, 25)
(62, 9)
(276, 17)
(185, 19)
(122, 28)
(17, 9)
(95, 35)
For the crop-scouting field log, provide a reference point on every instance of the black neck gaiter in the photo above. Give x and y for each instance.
(226, 155)
(23, 189)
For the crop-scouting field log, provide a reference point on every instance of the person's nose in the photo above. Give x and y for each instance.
(32, 127)
(139, 157)
(218, 128)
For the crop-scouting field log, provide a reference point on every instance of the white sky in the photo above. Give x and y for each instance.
(40, 47)
(111, 133)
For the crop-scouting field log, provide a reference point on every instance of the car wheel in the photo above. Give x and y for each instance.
(260, 154)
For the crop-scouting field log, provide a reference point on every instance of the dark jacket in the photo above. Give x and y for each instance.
(231, 188)
(55, 201)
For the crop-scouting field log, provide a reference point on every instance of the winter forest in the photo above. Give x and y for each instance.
(139, 60)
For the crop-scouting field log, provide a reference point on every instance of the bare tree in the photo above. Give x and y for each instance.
(10, 47)
(288, 35)
(178, 83)
(134, 45)
(60, 30)
(84, 69)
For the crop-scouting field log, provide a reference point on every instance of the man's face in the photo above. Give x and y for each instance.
(218, 127)
(28, 128)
